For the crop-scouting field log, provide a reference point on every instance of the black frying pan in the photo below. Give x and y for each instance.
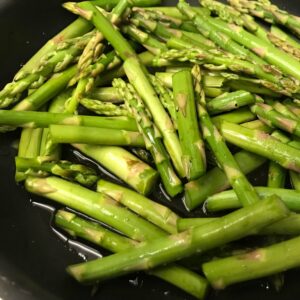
(32, 257)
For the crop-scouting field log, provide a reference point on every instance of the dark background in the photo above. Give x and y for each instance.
(32, 257)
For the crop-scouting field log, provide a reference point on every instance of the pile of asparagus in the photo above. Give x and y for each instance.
(194, 98)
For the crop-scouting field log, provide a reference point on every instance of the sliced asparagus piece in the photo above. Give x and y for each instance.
(123, 164)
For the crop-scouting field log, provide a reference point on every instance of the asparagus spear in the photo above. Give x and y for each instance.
(123, 164)
(94, 135)
(283, 109)
(227, 61)
(263, 144)
(77, 28)
(86, 82)
(238, 116)
(149, 42)
(92, 231)
(65, 169)
(96, 205)
(286, 63)
(154, 212)
(33, 119)
(151, 137)
(269, 12)
(276, 31)
(228, 199)
(271, 116)
(226, 160)
(165, 96)
(137, 75)
(258, 263)
(53, 62)
(193, 158)
(225, 80)
(287, 226)
(173, 12)
(47, 91)
(276, 173)
(205, 27)
(231, 15)
(29, 146)
(142, 19)
(109, 4)
(230, 101)
(104, 108)
(89, 65)
(284, 45)
(105, 94)
(257, 125)
(164, 250)
(185, 279)
(48, 150)
(215, 180)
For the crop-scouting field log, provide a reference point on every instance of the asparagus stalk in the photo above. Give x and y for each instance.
(29, 146)
(276, 31)
(215, 180)
(228, 199)
(193, 158)
(263, 144)
(269, 12)
(95, 135)
(139, 80)
(227, 61)
(137, 75)
(89, 66)
(93, 204)
(77, 28)
(86, 82)
(123, 164)
(283, 109)
(230, 101)
(110, 4)
(200, 20)
(284, 45)
(226, 160)
(276, 173)
(105, 94)
(92, 231)
(268, 114)
(51, 151)
(104, 108)
(149, 42)
(189, 281)
(286, 63)
(151, 137)
(252, 86)
(167, 249)
(258, 263)
(65, 169)
(286, 226)
(142, 19)
(238, 116)
(173, 12)
(54, 62)
(47, 91)
(165, 97)
(237, 82)
(154, 212)
(257, 125)
(33, 119)
(231, 15)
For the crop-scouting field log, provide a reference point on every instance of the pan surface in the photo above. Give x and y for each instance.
(32, 257)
